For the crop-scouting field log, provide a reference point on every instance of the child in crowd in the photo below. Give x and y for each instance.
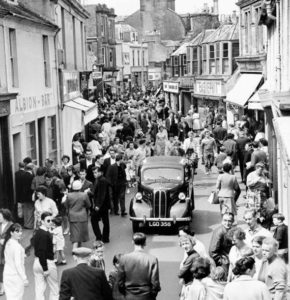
(58, 241)
(130, 173)
(97, 258)
(113, 278)
(281, 235)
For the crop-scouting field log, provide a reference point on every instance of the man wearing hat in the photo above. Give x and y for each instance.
(84, 282)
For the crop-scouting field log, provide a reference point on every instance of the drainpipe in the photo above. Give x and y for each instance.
(59, 104)
(278, 12)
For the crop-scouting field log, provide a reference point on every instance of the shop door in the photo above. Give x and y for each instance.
(6, 183)
(17, 150)
(41, 141)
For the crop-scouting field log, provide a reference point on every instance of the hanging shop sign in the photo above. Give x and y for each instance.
(171, 87)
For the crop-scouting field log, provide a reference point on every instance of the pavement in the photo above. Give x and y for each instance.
(206, 217)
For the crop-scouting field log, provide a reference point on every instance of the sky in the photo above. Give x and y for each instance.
(127, 7)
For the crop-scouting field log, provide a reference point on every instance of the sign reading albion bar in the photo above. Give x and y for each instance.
(209, 88)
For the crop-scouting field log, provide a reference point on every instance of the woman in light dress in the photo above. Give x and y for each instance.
(14, 275)
(161, 138)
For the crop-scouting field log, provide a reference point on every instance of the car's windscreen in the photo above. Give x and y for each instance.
(162, 175)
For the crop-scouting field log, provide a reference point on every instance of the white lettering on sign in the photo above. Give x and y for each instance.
(209, 87)
(31, 103)
(171, 87)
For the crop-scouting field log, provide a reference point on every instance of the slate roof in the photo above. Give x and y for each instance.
(21, 11)
(226, 32)
(201, 37)
(181, 50)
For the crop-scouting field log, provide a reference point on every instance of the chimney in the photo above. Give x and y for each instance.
(234, 17)
(215, 7)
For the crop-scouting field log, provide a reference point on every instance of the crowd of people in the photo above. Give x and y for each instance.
(54, 201)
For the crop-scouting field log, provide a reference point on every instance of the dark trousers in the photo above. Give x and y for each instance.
(241, 164)
(95, 219)
(120, 198)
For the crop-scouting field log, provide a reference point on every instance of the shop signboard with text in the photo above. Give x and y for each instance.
(71, 85)
(209, 88)
(171, 87)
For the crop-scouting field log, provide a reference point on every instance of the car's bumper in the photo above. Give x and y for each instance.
(174, 220)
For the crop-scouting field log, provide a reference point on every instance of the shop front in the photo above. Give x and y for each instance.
(186, 92)
(76, 111)
(209, 94)
(171, 91)
(243, 96)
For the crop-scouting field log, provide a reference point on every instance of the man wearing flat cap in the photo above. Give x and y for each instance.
(84, 282)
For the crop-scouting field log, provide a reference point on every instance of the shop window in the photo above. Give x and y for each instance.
(194, 61)
(31, 141)
(13, 57)
(204, 59)
(212, 62)
(52, 138)
(46, 62)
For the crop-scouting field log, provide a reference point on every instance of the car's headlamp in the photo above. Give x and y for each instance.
(181, 197)
(138, 197)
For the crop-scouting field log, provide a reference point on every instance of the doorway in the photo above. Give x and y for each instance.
(6, 181)
(17, 150)
(41, 141)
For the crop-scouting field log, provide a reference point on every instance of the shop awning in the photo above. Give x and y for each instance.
(282, 130)
(244, 89)
(255, 102)
(89, 108)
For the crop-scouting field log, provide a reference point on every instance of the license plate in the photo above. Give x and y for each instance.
(159, 224)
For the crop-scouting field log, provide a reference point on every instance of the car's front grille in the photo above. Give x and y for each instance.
(159, 204)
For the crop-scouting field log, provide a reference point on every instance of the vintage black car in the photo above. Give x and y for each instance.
(165, 195)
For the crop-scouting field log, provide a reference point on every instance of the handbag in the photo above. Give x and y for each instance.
(213, 198)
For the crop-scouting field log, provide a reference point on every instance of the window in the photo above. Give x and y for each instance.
(225, 60)
(52, 138)
(217, 57)
(212, 61)
(82, 44)
(204, 59)
(103, 26)
(13, 57)
(31, 141)
(143, 58)
(133, 56)
(46, 62)
(138, 57)
(194, 61)
(111, 58)
(183, 65)
(74, 43)
(104, 56)
(236, 52)
(63, 33)
(259, 32)
(247, 25)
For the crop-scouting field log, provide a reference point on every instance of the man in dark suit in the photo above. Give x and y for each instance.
(86, 184)
(84, 282)
(219, 134)
(258, 155)
(139, 273)
(109, 161)
(87, 164)
(101, 196)
(19, 187)
(241, 144)
(281, 235)
(116, 176)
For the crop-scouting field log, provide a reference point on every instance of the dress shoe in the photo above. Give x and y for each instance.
(106, 240)
(124, 214)
(117, 214)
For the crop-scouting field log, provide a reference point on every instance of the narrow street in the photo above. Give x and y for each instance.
(205, 218)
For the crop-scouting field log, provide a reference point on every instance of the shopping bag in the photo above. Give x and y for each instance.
(213, 198)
